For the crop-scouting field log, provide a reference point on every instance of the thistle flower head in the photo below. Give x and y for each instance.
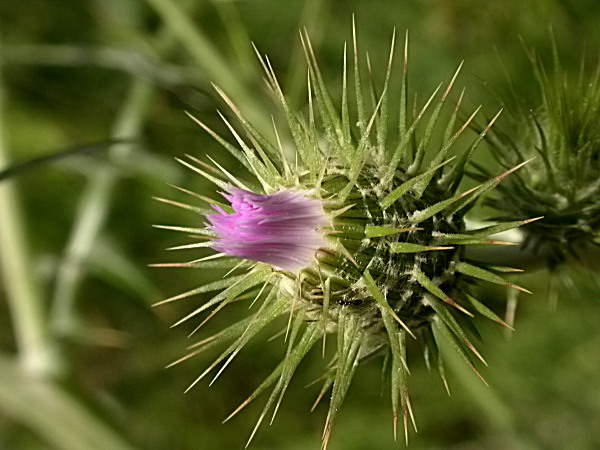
(284, 229)
(362, 237)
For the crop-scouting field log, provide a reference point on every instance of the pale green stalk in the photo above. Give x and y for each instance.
(313, 17)
(217, 69)
(96, 199)
(93, 209)
(238, 36)
(17, 274)
(120, 59)
(178, 20)
(29, 396)
(55, 415)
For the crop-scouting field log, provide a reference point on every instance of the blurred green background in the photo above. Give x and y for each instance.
(82, 350)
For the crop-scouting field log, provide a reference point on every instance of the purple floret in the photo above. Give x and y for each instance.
(282, 229)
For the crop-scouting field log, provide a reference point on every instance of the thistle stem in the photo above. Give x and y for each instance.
(217, 69)
(93, 209)
(95, 201)
(60, 418)
(21, 287)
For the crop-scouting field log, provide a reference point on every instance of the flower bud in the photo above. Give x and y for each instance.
(562, 184)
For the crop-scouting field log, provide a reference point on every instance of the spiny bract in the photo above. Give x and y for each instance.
(562, 184)
(381, 220)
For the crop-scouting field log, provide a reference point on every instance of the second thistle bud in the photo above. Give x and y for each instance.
(562, 132)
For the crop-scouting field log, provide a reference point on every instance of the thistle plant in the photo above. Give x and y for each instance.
(359, 233)
(562, 184)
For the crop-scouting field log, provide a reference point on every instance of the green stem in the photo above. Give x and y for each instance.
(210, 61)
(19, 282)
(135, 63)
(49, 411)
(93, 209)
(199, 47)
(96, 199)
(313, 18)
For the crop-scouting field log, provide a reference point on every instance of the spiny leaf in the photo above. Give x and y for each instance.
(264, 143)
(227, 208)
(501, 227)
(360, 102)
(431, 124)
(452, 121)
(193, 245)
(381, 301)
(268, 312)
(459, 239)
(473, 237)
(326, 386)
(214, 286)
(223, 263)
(326, 297)
(433, 355)
(482, 189)
(233, 179)
(398, 370)
(358, 158)
(222, 184)
(381, 123)
(456, 345)
(403, 116)
(226, 335)
(408, 185)
(329, 115)
(485, 275)
(407, 247)
(448, 319)
(373, 231)
(455, 176)
(350, 337)
(405, 139)
(504, 269)
(266, 178)
(234, 151)
(259, 275)
(307, 153)
(346, 133)
(419, 216)
(272, 378)
(233, 332)
(485, 311)
(287, 172)
(284, 372)
(441, 154)
(197, 209)
(298, 323)
(433, 288)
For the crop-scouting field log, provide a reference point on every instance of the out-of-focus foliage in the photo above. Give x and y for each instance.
(74, 73)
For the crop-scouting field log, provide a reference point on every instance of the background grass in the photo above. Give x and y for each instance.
(75, 73)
